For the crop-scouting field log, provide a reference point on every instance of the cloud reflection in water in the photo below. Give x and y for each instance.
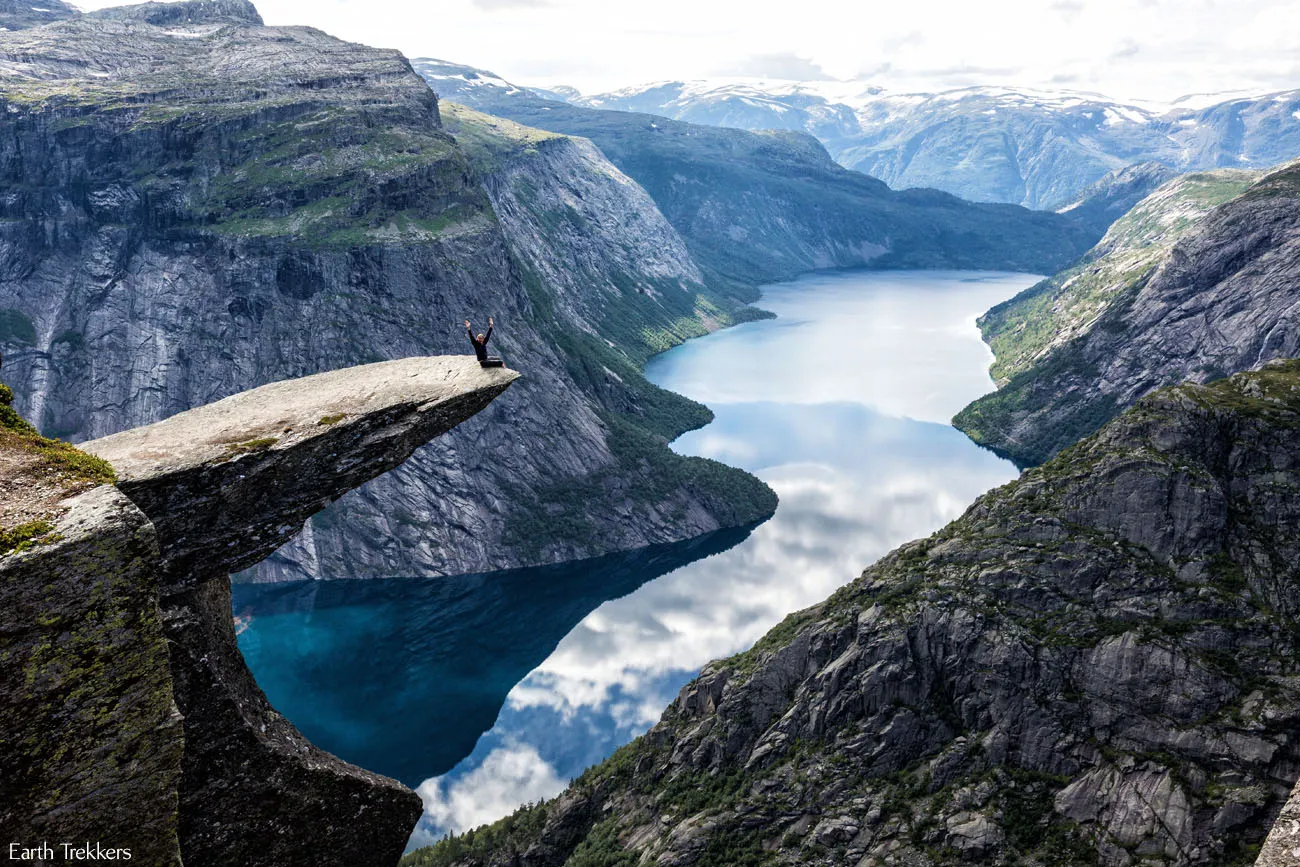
(841, 405)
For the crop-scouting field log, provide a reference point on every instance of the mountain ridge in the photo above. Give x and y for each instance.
(759, 207)
(1210, 295)
(990, 143)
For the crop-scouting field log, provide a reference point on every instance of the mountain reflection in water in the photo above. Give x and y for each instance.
(401, 676)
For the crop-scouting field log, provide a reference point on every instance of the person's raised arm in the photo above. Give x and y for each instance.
(488, 336)
(470, 332)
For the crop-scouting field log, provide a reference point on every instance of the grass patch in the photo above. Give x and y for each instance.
(251, 446)
(25, 536)
(328, 420)
(70, 462)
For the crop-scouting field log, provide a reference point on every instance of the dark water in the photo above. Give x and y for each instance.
(488, 691)
(369, 669)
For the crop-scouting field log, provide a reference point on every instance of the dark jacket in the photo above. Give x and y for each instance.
(480, 349)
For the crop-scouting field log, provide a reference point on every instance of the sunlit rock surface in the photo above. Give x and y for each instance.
(1282, 849)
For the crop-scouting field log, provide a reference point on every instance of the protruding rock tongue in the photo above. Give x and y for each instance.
(228, 483)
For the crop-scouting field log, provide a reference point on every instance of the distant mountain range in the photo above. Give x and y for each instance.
(1030, 147)
(756, 207)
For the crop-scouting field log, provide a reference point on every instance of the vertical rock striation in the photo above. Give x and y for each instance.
(195, 204)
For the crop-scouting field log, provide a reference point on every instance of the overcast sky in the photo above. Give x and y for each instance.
(1153, 49)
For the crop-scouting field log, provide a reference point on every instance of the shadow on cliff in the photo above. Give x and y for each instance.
(467, 640)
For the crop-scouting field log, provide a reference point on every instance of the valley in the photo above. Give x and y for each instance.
(467, 694)
(872, 477)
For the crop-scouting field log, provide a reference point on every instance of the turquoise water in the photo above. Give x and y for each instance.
(488, 691)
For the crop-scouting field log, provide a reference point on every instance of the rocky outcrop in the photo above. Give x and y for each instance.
(1282, 849)
(130, 717)
(204, 205)
(183, 12)
(1197, 282)
(224, 483)
(92, 736)
(1097, 663)
(18, 14)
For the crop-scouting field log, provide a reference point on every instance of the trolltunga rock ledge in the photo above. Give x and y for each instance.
(228, 483)
(132, 718)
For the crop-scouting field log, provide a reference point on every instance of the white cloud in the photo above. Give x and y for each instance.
(783, 64)
(1170, 47)
(509, 776)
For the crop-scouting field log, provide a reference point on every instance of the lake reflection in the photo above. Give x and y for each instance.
(369, 669)
(840, 404)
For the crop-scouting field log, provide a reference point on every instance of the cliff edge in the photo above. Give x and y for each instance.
(133, 719)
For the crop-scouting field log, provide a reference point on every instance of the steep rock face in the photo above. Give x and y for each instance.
(1026, 328)
(762, 206)
(608, 282)
(1097, 663)
(92, 737)
(201, 206)
(130, 717)
(1282, 849)
(1181, 294)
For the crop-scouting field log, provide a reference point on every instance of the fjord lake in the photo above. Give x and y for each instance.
(489, 691)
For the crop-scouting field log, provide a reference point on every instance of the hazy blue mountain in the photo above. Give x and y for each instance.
(1037, 148)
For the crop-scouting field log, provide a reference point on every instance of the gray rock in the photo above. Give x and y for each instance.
(91, 732)
(229, 205)
(1221, 300)
(223, 484)
(1282, 849)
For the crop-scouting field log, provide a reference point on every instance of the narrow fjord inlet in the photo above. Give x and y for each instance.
(496, 689)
